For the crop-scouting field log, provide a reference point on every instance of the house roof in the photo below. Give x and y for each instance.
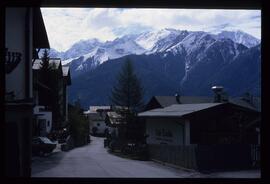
(40, 38)
(53, 61)
(95, 108)
(177, 110)
(239, 101)
(166, 101)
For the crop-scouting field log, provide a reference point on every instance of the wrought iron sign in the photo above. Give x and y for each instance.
(12, 59)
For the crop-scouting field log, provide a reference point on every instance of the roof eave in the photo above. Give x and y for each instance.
(40, 38)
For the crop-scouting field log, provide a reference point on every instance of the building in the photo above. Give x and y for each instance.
(203, 135)
(43, 125)
(25, 34)
(53, 96)
(96, 116)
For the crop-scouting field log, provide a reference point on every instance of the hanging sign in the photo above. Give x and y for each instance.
(12, 59)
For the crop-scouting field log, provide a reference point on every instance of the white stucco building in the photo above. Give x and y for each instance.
(96, 116)
(44, 119)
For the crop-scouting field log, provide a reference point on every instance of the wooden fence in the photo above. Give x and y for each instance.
(207, 157)
(183, 156)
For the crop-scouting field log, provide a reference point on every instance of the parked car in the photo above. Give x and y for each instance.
(42, 145)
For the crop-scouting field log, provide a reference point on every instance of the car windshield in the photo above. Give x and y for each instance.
(46, 140)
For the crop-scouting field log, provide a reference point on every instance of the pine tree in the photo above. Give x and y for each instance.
(128, 91)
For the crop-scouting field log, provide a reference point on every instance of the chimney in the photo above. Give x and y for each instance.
(218, 90)
(177, 97)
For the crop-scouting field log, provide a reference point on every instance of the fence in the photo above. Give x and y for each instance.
(207, 157)
(178, 155)
(224, 157)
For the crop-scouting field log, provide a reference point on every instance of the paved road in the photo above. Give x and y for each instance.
(93, 160)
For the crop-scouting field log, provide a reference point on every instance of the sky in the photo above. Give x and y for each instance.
(66, 26)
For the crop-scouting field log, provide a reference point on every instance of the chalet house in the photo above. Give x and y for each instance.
(25, 33)
(53, 96)
(203, 135)
(96, 116)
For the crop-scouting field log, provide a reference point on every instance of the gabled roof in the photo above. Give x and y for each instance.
(177, 110)
(240, 101)
(166, 101)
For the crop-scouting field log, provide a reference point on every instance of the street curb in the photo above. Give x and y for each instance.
(174, 166)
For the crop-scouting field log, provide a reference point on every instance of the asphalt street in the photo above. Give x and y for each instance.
(93, 160)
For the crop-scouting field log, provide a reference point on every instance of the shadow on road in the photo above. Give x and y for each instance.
(47, 162)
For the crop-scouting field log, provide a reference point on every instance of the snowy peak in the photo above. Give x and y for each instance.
(148, 40)
(82, 47)
(239, 37)
(173, 38)
(193, 45)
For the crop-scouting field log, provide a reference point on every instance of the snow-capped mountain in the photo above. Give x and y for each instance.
(189, 61)
(88, 54)
(240, 37)
(222, 62)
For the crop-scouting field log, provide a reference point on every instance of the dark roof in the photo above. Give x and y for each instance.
(40, 38)
(166, 101)
(256, 105)
(177, 110)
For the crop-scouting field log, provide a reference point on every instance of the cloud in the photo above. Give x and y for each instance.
(65, 26)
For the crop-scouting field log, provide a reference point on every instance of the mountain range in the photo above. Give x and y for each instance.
(167, 61)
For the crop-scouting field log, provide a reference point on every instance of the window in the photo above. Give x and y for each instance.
(48, 123)
(98, 124)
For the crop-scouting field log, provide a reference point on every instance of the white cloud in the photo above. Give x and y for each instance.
(65, 26)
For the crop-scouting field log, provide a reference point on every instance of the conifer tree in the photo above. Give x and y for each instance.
(128, 92)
